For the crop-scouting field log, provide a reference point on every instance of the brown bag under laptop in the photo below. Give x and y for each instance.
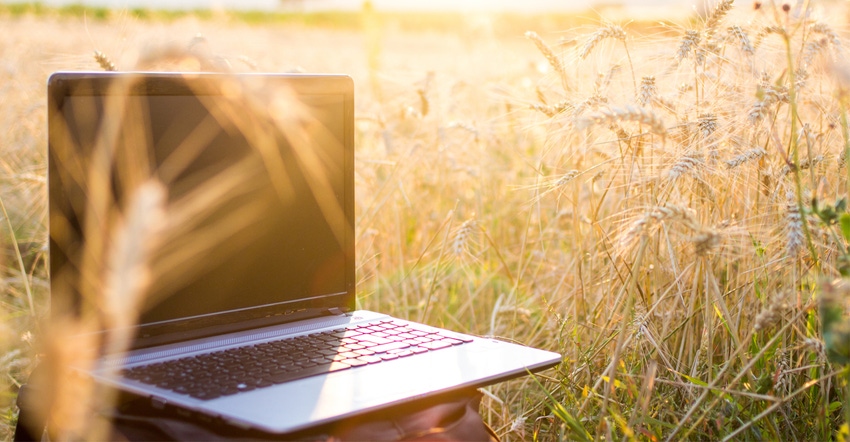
(452, 418)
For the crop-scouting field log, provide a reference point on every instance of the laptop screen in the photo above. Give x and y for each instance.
(254, 225)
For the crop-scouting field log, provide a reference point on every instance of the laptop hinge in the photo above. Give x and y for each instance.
(336, 311)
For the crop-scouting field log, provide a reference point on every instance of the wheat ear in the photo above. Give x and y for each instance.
(720, 11)
(648, 90)
(627, 113)
(746, 156)
(551, 57)
(689, 42)
(105, 63)
(608, 31)
(794, 226)
(657, 215)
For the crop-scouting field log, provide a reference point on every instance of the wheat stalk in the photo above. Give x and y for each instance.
(134, 240)
(826, 30)
(745, 157)
(794, 235)
(460, 242)
(811, 50)
(555, 109)
(657, 215)
(593, 102)
(707, 124)
(689, 42)
(648, 90)
(604, 81)
(705, 241)
(685, 164)
(772, 313)
(627, 113)
(551, 57)
(720, 11)
(104, 61)
(608, 31)
(765, 31)
(806, 163)
(739, 34)
(567, 178)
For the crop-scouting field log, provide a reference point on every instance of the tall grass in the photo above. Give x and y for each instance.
(638, 199)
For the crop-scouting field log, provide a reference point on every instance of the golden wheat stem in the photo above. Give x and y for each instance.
(498, 254)
(437, 267)
(627, 317)
(23, 270)
(793, 145)
(712, 386)
(845, 133)
(782, 401)
(132, 243)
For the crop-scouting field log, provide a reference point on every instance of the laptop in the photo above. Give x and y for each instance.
(209, 220)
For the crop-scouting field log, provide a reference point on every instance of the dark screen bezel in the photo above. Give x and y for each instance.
(64, 84)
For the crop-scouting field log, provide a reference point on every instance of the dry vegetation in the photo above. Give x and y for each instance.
(660, 205)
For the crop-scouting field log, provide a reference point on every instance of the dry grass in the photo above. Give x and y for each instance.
(638, 202)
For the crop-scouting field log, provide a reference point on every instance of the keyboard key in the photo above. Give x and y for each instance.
(374, 339)
(388, 347)
(349, 354)
(312, 371)
(434, 345)
(370, 359)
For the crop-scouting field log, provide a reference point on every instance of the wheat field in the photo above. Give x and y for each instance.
(662, 202)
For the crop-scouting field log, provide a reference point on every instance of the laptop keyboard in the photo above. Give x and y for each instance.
(235, 370)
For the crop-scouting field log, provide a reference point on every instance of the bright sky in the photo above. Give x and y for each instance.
(311, 5)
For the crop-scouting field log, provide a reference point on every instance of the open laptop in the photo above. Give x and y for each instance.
(244, 308)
